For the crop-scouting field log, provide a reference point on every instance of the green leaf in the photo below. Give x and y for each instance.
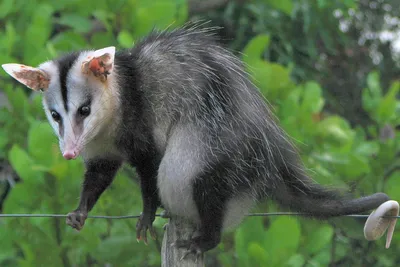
(312, 98)
(24, 195)
(342, 162)
(362, 164)
(321, 259)
(105, 18)
(272, 79)
(324, 174)
(102, 39)
(255, 48)
(336, 129)
(367, 148)
(392, 186)
(287, 231)
(164, 14)
(118, 248)
(68, 40)
(17, 99)
(6, 6)
(22, 163)
(373, 82)
(322, 3)
(90, 236)
(36, 107)
(76, 22)
(297, 260)
(291, 104)
(285, 6)
(387, 107)
(3, 139)
(10, 37)
(8, 251)
(350, 3)
(318, 239)
(250, 231)
(257, 255)
(125, 39)
(371, 96)
(41, 143)
(37, 34)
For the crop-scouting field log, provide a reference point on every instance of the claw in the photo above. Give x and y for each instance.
(165, 226)
(191, 248)
(187, 252)
(145, 236)
(153, 233)
(143, 225)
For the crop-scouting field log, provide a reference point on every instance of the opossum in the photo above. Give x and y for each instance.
(182, 110)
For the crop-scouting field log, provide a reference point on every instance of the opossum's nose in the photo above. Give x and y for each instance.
(70, 154)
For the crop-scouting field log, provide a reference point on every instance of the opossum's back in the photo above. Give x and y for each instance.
(188, 75)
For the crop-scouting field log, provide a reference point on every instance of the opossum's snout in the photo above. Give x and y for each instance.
(71, 150)
(70, 154)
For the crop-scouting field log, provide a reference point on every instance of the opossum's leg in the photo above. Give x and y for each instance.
(178, 169)
(99, 175)
(151, 201)
(210, 195)
(190, 187)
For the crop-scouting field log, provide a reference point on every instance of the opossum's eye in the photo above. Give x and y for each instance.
(56, 116)
(84, 111)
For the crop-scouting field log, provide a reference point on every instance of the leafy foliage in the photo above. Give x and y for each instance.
(361, 158)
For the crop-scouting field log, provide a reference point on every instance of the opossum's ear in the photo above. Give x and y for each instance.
(31, 77)
(100, 63)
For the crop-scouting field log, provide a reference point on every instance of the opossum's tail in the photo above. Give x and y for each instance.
(301, 194)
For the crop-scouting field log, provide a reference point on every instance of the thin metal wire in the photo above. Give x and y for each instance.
(64, 216)
(164, 216)
(305, 214)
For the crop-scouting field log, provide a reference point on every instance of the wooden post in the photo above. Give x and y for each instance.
(170, 255)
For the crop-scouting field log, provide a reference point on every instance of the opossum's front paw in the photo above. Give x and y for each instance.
(76, 219)
(145, 222)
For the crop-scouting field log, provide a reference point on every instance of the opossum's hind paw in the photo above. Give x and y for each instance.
(144, 224)
(192, 248)
(196, 246)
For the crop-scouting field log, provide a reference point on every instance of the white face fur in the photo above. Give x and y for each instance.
(80, 99)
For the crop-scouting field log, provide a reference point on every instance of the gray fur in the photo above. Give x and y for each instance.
(235, 125)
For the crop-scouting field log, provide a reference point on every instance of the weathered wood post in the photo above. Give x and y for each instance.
(171, 256)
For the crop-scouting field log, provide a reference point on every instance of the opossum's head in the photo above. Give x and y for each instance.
(79, 95)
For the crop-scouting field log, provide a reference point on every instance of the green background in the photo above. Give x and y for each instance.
(332, 86)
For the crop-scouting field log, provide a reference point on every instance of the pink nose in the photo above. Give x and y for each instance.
(69, 154)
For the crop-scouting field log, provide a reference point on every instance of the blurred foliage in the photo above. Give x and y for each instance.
(336, 43)
(339, 105)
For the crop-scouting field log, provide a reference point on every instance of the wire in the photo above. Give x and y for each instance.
(64, 216)
(305, 214)
(166, 216)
